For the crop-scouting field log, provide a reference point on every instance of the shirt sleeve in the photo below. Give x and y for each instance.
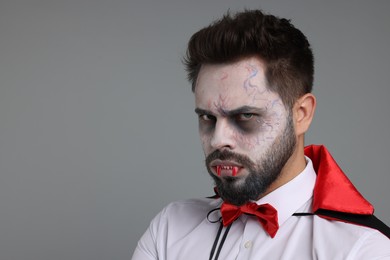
(374, 246)
(147, 246)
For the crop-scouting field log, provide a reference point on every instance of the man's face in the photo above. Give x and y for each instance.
(247, 134)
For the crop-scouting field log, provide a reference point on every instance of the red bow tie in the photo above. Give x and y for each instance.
(265, 213)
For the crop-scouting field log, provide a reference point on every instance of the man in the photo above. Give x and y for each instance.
(252, 77)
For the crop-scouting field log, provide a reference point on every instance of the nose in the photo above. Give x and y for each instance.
(223, 136)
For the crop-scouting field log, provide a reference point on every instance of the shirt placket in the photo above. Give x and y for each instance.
(253, 238)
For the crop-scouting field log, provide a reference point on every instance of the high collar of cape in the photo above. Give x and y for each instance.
(333, 190)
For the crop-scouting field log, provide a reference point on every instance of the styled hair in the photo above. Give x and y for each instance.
(284, 50)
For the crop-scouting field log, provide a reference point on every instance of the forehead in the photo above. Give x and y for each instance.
(229, 86)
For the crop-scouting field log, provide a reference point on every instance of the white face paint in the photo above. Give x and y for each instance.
(237, 113)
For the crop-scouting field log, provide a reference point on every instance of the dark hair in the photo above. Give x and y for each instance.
(284, 50)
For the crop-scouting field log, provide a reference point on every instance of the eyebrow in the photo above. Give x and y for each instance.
(237, 111)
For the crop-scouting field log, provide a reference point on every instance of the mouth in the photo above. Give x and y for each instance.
(222, 169)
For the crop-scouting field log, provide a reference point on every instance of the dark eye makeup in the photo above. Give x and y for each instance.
(247, 123)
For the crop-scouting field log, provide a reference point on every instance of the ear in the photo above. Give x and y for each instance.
(303, 112)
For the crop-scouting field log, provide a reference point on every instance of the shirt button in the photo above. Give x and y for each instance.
(248, 244)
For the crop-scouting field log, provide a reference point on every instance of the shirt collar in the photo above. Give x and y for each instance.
(288, 198)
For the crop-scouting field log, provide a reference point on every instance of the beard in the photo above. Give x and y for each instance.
(240, 190)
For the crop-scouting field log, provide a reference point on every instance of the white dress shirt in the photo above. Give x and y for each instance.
(182, 231)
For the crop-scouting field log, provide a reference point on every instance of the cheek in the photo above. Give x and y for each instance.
(247, 143)
(205, 140)
(247, 137)
(205, 127)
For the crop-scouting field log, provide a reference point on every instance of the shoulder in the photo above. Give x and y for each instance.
(191, 206)
(186, 213)
(179, 219)
(349, 240)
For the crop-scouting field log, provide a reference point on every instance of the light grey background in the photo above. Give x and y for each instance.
(97, 129)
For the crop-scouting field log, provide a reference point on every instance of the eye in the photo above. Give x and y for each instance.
(206, 117)
(245, 116)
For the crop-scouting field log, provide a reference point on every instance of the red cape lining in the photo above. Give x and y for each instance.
(333, 190)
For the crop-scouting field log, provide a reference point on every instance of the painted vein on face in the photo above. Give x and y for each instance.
(252, 89)
(221, 104)
(223, 76)
(247, 83)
